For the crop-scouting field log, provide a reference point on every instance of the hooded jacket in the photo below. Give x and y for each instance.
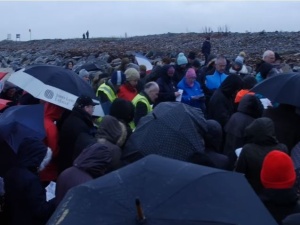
(280, 202)
(261, 139)
(287, 124)
(213, 143)
(221, 104)
(25, 196)
(90, 164)
(249, 109)
(112, 134)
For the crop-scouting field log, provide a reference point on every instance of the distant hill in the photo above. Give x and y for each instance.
(19, 53)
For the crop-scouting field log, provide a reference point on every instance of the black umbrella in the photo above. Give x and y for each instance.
(162, 191)
(93, 66)
(53, 84)
(173, 129)
(21, 121)
(282, 88)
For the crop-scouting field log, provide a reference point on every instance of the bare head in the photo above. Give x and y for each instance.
(152, 89)
(269, 56)
(221, 64)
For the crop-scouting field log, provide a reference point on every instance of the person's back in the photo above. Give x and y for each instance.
(278, 178)
(90, 164)
(79, 121)
(287, 124)
(25, 197)
(261, 140)
(221, 104)
(205, 49)
(249, 109)
(112, 134)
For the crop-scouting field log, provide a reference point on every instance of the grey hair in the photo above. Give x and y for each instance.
(267, 53)
(150, 85)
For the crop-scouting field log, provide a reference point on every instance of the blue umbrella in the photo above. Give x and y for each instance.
(169, 192)
(18, 122)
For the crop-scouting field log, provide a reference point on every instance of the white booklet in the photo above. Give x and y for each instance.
(178, 98)
(50, 191)
(238, 151)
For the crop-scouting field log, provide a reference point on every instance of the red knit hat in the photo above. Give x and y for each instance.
(277, 171)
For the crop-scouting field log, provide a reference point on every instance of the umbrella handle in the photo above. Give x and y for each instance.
(140, 214)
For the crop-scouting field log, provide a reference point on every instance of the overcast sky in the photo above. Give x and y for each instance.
(114, 19)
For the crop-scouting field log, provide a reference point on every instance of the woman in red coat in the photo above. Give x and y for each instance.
(52, 113)
(128, 90)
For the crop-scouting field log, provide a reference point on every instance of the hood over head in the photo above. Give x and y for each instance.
(251, 106)
(249, 82)
(214, 135)
(261, 131)
(231, 85)
(112, 130)
(94, 160)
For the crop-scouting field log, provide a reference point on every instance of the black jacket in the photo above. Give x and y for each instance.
(249, 109)
(221, 104)
(77, 122)
(167, 87)
(260, 137)
(287, 124)
(280, 202)
(206, 46)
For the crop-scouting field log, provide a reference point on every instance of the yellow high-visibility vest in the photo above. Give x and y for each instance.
(108, 91)
(140, 98)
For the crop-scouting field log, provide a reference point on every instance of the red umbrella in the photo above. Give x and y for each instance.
(3, 103)
(2, 74)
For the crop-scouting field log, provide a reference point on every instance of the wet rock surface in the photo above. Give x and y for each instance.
(103, 51)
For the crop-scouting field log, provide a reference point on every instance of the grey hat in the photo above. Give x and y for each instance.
(83, 73)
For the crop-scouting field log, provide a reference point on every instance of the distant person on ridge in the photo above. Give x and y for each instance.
(206, 46)
(87, 35)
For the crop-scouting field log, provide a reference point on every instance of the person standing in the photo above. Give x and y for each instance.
(128, 90)
(87, 35)
(79, 121)
(143, 101)
(206, 47)
(192, 93)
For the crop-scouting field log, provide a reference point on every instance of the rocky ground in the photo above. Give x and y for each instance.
(58, 51)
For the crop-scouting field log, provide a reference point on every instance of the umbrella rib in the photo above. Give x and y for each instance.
(194, 221)
(183, 187)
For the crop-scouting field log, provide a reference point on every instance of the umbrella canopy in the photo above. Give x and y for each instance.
(21, 121)
(53, 84)
(282, 88)
(169, 192)
(172, 129)
(143, 60)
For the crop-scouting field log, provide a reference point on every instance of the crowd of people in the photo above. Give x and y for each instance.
(80, 147)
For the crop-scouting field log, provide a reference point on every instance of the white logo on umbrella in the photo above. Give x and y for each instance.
(49, 94)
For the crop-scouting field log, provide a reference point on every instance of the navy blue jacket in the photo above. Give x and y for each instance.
(25, 196)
